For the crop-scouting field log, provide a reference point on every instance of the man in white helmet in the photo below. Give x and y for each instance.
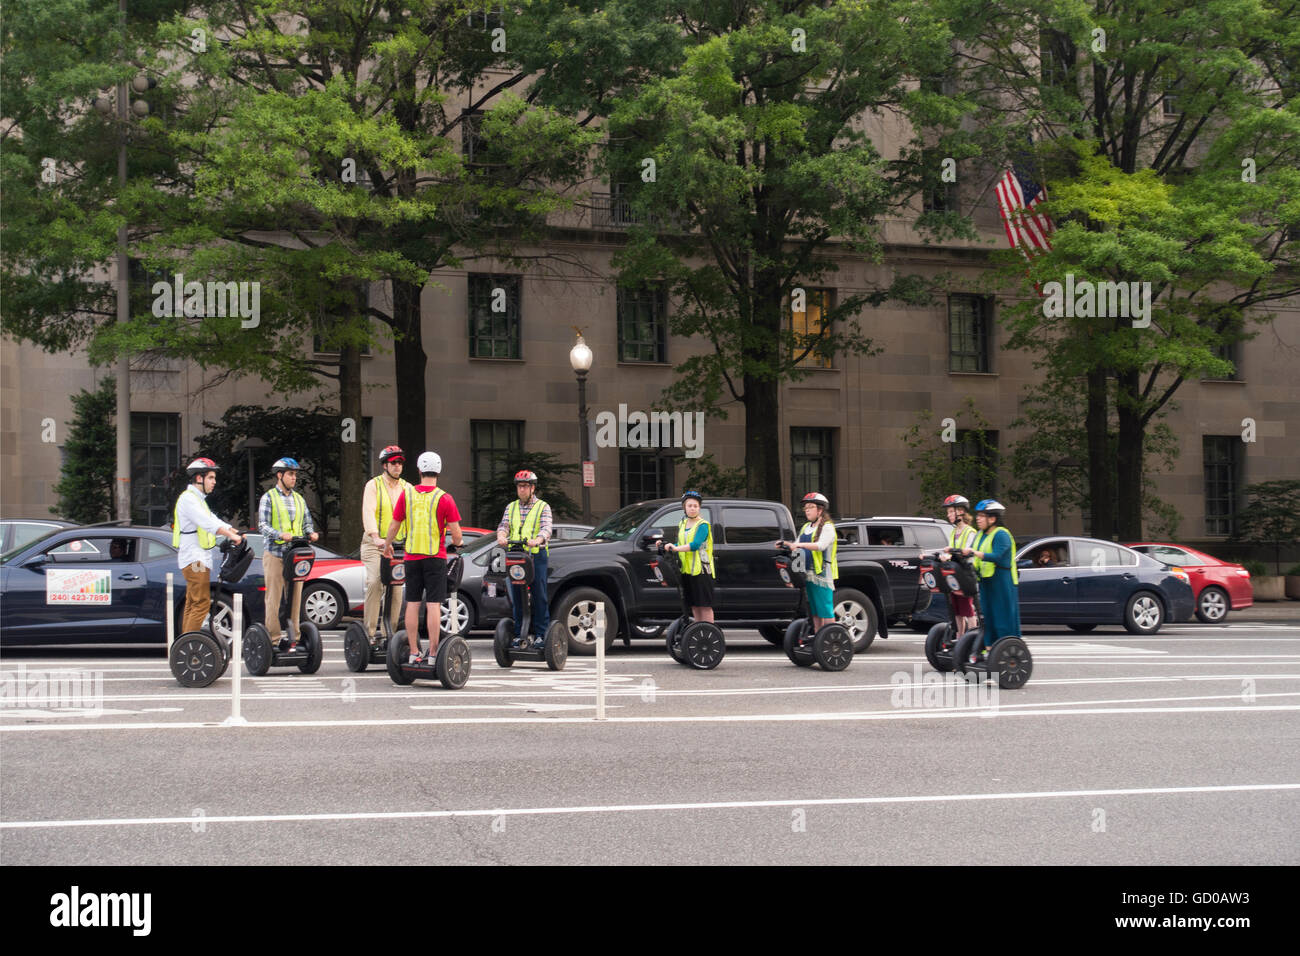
(194, 535)
(426, 512)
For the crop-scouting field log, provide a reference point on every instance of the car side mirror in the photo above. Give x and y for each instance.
(652, 540)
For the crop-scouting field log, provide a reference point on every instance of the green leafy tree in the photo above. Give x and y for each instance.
(938, 471)
(1270, 517)
(496, 489)
(710, 479)
(85, 486)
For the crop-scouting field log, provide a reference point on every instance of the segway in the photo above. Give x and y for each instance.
(199, 658)
(360, 649)
(305, 650)
(513, 565)
(831, 646)
(451, 665)
(1008, 658)
(698, 644)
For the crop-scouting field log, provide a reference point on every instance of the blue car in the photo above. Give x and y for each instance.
(100, 584)
(1083, 582)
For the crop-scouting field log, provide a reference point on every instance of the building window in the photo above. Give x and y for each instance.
(1056, 57)
(155, 458)
(1229, 352)
(1222, 467)
(1169, 104)
(809, 325)
(969, 318)
(975, 463)
(493, 446)
(471, 135)
(494, 316)
(643, 324)
(140, 282)
(936, 195)
(812, 463)
(643, 476)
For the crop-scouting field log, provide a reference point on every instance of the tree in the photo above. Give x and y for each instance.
(1270, 517)
(710, 479)
(85, 486)
(496, 489)
(939, 471)
(1169, 141)
(745, 162)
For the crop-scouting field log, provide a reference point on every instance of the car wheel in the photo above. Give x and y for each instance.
(857, 614)
(220, 620)
(322, 605)
(587, 615)
(648, 631)
(464, 616)
(1212, 605)
(773, 633)
(1144, 613)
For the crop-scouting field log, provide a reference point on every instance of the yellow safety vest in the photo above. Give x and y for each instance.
(384, 506)
(691, 559)
(532, 526)
(818, 558)
(206, 538)
(987, 567)
(425, 535)
(968, 534)
(280, 515)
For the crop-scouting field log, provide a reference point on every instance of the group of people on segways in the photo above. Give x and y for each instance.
(977, 575)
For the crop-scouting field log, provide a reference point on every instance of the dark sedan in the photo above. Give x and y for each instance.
(102, 584)
(1083, 582)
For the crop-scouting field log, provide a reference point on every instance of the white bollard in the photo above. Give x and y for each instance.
(171, 616)
(600, 666)
(237, 661)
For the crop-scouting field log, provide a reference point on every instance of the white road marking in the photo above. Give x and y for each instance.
(647, 807)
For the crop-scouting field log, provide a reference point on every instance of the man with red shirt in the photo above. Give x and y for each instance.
(428, 512)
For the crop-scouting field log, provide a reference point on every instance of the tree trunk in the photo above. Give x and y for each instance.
(409, 363)
(1129, 458)
(762, 393)
(1101, 490)
(352, 464)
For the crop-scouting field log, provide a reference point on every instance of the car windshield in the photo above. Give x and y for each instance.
(5, 558)
(623, 524)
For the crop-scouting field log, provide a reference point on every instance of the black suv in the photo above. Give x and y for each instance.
(607, 584)
(920, 534)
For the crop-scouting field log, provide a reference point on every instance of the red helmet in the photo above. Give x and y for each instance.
(392, 452)
(525, 476)
(201, 466)
(956, 501)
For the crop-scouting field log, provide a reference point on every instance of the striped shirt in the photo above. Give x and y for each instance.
(269, 534)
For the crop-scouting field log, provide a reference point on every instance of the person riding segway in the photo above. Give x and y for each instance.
(382, 575)
(524, 533)
(951, 575)
(287, 559)
(815, 636)
(197, 657)
(428, 513)
(997, 648)
(694, 638)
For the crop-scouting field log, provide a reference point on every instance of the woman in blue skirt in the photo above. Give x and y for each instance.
(818, 537)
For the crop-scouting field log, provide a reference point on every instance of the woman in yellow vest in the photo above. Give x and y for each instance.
(818, 537)
(995, 560)
(694, 549)
(961, 535)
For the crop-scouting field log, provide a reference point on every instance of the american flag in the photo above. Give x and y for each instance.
(1018, 194)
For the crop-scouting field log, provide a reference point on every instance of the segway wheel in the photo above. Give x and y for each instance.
(356, 647)
(703, 645)
(453, 662)
(309, 634)
(1011, 660)
(799, 655)
(257, 650)
(832, 647)
(938, 647)
(557, 647)
(505, 633)
(397, 651)
(673, 641)
(196, 659)
(961, 651)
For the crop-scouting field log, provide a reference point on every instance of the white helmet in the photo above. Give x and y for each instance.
(429, 463)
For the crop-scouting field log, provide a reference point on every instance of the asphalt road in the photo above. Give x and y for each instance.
(1175, 749)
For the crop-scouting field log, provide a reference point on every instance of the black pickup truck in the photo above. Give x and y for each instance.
(608, 585)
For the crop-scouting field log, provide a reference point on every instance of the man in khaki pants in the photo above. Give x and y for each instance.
(376, 514)
(194, 535)
(282, 516)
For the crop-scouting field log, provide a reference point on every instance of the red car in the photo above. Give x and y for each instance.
(1217, 586)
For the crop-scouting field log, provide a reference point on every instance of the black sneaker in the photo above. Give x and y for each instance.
(284, 644)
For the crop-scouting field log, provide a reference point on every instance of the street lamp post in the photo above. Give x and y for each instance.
(248, 444)
(580, 358)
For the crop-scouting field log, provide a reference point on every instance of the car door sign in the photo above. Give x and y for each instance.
(75, 586)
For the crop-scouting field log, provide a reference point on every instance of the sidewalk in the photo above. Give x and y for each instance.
(1267, 611)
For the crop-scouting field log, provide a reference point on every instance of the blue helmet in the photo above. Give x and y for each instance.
(285, 464)
(692, 494)
(991, 506)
